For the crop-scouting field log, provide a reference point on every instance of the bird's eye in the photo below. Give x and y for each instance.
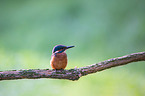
(63, 48)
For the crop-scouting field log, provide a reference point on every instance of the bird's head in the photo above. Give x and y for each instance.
(60, 48)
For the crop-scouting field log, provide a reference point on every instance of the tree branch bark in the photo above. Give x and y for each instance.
(71, 74)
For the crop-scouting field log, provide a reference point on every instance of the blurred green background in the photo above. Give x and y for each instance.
(100, 30)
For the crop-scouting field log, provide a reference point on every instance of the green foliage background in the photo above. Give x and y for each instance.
(100, 30)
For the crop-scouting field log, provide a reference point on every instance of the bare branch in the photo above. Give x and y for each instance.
(71, 74)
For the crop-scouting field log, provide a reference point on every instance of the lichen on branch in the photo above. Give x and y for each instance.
(71, 74)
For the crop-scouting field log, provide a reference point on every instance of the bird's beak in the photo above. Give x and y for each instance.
(69, 47)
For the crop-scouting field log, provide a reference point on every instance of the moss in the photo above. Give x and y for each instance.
(85, 68)
(29, 72)
(93, 65)
(43, 75)
(72, 70)
(12, 75)
(1, 75)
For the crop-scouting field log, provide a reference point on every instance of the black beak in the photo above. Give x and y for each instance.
(69, 47)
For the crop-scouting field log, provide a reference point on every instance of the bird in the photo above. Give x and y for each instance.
(59, 57)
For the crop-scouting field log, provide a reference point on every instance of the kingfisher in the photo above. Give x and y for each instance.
(59, 57)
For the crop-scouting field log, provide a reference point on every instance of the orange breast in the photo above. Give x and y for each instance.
(58, 61)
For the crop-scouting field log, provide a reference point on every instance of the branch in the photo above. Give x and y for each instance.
(71, 74)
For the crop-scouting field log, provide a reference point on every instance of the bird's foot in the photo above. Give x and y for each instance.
(58, 70)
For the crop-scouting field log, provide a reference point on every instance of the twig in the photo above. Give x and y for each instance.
(71, 74)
